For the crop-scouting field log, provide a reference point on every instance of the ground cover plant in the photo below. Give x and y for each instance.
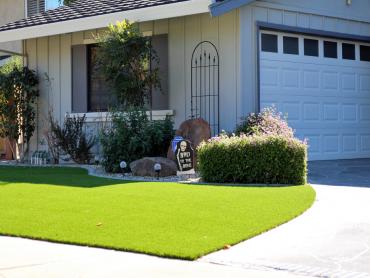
(165, 219)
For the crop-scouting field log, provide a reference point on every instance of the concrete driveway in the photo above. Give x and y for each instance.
(332, 239)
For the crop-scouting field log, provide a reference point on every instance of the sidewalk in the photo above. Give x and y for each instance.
(23, 258)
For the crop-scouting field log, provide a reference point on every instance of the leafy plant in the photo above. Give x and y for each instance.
(268, 122)
(72, 140)
(18, 94)
(254, 159)
(132, 136)
(124, 56)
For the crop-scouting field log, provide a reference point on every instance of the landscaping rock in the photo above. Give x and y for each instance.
(193, 130)
(145, 167)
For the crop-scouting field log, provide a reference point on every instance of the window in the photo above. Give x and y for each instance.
(348, 51)
(290, 45)
(92, 93)
(330, 49)
(269, 43)
(365, 53)
(100, 96)
(39, 6)
(311, 47)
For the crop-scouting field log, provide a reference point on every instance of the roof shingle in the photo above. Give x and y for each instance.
(84, 8)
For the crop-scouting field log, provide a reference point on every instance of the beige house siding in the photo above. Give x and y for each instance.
(51, 58)
(11, 10)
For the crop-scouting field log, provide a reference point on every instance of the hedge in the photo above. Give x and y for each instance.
(253, 160)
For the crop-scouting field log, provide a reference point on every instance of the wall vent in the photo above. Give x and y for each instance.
(35, 7)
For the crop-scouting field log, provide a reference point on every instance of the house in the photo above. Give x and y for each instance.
(219, 60)
(13, 10)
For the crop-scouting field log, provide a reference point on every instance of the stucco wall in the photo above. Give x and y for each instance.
(11, 10)
(297, 14)
(51, 58)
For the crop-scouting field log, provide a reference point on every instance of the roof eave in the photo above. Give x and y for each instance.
(220, 8)
(101, 21)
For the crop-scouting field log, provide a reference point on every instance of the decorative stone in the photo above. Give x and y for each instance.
(194, 130)
(145, 167)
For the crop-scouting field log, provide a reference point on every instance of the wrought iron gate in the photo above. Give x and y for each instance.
(205, 85)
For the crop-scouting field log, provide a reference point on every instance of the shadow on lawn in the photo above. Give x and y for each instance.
(77, 177)
(61, 176)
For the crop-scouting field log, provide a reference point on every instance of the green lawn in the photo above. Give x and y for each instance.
(164, 219)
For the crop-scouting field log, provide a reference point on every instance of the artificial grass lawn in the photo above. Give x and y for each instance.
(164, 219)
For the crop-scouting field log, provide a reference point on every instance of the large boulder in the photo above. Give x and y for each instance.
(194, 130)
(145, 167)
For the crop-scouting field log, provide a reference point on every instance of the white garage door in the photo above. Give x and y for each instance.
(323, 85)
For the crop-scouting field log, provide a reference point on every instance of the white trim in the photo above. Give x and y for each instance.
(94, 117)
(95, 22)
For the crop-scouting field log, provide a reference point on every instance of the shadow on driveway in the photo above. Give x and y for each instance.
(351, 172)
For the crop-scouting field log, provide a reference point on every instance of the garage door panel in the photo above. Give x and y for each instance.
(365, 142)
(349, 113)
(311, 80)
(348, 82)
(364, 112)
(364, 83)
(326, 100)
(330, 82)
(330, 143)
(350, 143)
(290, 78)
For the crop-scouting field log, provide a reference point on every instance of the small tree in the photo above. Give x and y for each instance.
(124, 57)
(18, 94)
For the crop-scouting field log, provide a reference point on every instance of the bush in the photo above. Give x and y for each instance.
(268, 122)
(72, 140)
(124, 56)
(133, 136)
(253, 159)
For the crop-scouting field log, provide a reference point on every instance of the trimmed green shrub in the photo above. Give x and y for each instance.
(253, 160)
(133, 136)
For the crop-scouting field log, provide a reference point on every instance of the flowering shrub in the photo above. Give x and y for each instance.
(273, 159)
(268, 122)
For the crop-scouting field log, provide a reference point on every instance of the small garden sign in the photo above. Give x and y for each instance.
(185, 157)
